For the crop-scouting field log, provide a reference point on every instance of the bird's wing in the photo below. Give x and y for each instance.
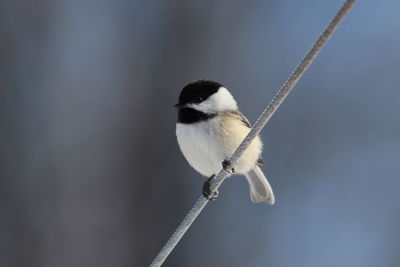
(247, 123)
(241, 117)
(260, 161)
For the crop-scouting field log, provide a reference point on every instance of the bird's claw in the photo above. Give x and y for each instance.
(207, 193)
(227, 165)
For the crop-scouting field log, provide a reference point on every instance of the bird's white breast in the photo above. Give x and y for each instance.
(200, 146)
(206, 144)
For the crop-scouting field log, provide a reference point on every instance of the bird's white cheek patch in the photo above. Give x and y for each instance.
(220, 101)
(223, 100)
(205, 106)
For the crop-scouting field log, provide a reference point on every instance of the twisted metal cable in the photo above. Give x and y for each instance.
(258, 126)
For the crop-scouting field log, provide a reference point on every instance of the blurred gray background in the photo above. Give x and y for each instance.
(90, 172)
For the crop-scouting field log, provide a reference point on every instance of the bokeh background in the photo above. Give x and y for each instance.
(90, 172)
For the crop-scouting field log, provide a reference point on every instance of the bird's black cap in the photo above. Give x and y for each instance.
(197, 92)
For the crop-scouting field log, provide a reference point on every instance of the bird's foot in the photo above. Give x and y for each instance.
(227, 165)
(207, 193)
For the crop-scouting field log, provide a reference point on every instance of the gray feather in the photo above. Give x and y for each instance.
(239, 115)
(260, 189)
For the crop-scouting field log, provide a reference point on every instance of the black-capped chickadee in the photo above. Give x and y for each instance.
(210, 128)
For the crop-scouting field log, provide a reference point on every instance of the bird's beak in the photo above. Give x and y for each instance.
(179, 105)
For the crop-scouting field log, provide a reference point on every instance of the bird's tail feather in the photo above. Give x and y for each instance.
(260, 189)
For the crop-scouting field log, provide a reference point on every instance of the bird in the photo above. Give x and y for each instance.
(210, 127)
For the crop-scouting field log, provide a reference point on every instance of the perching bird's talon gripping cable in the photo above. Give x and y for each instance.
(258, 126)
